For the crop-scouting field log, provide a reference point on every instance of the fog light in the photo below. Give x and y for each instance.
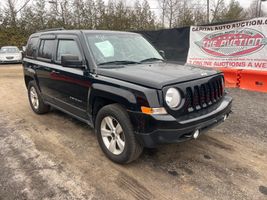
(196, 134)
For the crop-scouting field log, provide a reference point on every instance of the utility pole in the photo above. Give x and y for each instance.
(257, 8)
(208, 11)
(260, 7)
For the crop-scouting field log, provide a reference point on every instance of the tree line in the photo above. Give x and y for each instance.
(176, 13)
(19, 19)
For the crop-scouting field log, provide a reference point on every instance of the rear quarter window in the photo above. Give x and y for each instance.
(32, 47)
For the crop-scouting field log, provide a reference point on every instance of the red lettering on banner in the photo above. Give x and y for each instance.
(239, 45)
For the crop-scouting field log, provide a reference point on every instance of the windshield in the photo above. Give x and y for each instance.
(9, 50)
(116, 48)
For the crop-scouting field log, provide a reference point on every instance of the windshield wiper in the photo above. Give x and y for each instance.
(119, 62)
(151, 59)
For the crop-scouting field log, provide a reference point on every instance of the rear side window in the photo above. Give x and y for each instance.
(46, 49)
(68, 47)
(32, 46)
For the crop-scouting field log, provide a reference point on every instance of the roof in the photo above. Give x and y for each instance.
(63, 31)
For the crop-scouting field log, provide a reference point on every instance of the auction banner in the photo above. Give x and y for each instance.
(239, 45)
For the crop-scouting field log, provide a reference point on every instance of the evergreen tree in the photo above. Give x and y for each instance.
(234, 12)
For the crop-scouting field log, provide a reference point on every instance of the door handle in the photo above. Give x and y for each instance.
(55, 72)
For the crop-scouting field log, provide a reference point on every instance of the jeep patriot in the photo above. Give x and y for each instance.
(121, 86)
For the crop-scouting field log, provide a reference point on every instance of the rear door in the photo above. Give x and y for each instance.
(44, 61)
(70, 85)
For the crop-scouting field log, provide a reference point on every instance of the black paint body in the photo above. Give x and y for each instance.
(82, 92)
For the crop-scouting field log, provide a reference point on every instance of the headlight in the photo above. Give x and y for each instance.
(173, 98)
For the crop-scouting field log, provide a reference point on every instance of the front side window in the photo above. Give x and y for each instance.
(46, 49)
(113, 47)
(68, 47)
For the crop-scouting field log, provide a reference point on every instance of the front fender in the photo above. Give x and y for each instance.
(132, 98)
(116, 94)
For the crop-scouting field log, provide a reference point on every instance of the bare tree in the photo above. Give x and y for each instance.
(78, 6)
(172, 11)
(40, 13)
(12, 12)
(200, 17)
(163, 7)
(252, 11)
(1, 16)
(59, 13)
(89, 14)
(234, 12)
(186, 14)
(217, 10)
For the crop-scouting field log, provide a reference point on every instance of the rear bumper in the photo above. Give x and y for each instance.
(160, 129)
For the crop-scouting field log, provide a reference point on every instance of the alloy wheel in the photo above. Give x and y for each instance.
(112, 135)
(34, 98)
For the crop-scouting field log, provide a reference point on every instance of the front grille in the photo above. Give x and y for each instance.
(204, 95)
(9, 58)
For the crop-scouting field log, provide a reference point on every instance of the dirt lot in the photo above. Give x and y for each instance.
(56, 157)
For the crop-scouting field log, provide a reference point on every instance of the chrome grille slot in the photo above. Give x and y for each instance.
(196, 98)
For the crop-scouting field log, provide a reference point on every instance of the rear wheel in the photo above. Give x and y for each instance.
(115, 134)
(36, 101)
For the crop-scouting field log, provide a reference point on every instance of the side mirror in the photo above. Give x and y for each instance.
(162, 53)
(71, 61)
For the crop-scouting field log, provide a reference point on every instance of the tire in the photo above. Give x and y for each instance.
(38, 106)
(118, 115)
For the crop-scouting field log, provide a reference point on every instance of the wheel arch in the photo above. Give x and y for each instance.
(27, 80)
(101, 95)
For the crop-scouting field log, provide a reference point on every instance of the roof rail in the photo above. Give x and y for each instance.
(51, 29)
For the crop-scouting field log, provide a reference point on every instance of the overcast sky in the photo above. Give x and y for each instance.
(244, 3)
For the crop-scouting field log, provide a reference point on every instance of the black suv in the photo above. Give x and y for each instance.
(118, 83)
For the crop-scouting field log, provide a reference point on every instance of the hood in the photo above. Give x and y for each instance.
(156, 75)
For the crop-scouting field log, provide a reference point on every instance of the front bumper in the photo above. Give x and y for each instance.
(159, 129)
(10, 61)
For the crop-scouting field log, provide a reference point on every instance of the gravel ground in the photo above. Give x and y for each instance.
(54, 156)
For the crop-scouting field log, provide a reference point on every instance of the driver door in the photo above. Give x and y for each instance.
(70, 84)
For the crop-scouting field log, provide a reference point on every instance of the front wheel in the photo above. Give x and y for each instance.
(116, 136)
